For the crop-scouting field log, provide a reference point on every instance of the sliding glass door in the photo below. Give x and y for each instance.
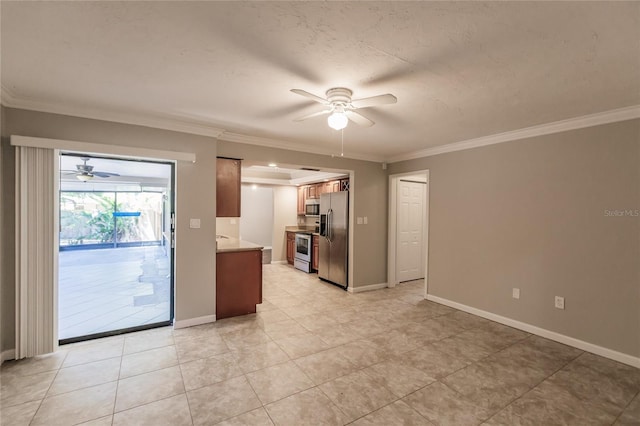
(116, 257)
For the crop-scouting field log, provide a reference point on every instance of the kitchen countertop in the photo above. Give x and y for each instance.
(227, 244)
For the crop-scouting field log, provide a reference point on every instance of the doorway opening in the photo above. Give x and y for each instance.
(115, 266)
(408, 252)
(281, 200)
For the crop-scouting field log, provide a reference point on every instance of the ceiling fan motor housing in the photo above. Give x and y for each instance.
(339, 96)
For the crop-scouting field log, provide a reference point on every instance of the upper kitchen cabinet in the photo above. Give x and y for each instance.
(228, 187)
(328, 187)
(302, 199)
(312, 192)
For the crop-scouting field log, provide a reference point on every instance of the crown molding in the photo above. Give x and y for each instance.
(293, 146)
(600, 118)
(147, 120)
(9, 99)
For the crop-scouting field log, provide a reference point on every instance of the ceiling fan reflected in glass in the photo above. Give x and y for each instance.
(85, 172)
(342, 109)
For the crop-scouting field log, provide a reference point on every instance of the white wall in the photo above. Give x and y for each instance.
(229, 226)
(535, 214)
(256, 217)
(285, 213)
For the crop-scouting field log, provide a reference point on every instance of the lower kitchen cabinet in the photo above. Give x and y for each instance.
(238, 282)
(291, 247)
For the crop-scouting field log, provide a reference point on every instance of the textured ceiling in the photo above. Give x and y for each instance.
(460, 70)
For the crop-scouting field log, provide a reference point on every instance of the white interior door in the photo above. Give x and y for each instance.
(410, 232)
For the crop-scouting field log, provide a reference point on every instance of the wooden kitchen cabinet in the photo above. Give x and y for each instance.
(327, 187)
(227, 187)
(312, 191)
(323, 188)
(291, 247)
(315, 252)
(302, 198)
(238, 282)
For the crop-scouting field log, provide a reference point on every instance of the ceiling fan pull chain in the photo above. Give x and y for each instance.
(342, 148)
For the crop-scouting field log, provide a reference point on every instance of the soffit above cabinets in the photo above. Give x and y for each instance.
(255, 173)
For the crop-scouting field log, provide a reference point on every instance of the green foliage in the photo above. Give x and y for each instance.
(74, 226)
(96, 226)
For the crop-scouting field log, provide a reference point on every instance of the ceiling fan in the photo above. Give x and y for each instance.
(85, 172)
(342, 108)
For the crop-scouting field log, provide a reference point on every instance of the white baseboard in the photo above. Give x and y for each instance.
(278, 262)
(7, 355)
(193, 321)
(370, 287)
(551, 335)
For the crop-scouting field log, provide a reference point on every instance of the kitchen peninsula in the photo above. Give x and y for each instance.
(238, 277)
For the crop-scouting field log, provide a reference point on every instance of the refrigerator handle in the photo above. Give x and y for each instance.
(330, 225)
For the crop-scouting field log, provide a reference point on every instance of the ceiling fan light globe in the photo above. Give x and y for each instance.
(84, 177)
(338, 120)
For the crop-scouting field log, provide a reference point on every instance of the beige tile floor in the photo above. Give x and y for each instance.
(317, 355)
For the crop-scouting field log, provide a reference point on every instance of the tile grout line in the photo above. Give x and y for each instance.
(637, 395)
(115, 398)
(48, 388)
(531, 388)
(186, 394)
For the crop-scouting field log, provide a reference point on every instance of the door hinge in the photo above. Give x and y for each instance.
(173, 220)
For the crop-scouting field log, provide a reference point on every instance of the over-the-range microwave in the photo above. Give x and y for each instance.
(312, 208)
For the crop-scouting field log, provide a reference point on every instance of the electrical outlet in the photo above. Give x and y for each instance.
(516, 293)
(559, 302)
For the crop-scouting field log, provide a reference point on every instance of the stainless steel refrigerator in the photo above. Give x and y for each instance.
(334, 235)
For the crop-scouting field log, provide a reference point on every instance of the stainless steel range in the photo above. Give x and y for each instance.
(302, 259)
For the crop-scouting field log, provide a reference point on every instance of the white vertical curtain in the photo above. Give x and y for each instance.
(36, 251)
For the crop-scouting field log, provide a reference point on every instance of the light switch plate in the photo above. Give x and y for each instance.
(516, 293)
(359, 221)
(194, 223)
(366, 220)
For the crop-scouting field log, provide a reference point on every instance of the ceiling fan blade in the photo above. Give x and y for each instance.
(374, 100)
(104, 174)
(315, 114)
(359, 119)
(310, 96)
